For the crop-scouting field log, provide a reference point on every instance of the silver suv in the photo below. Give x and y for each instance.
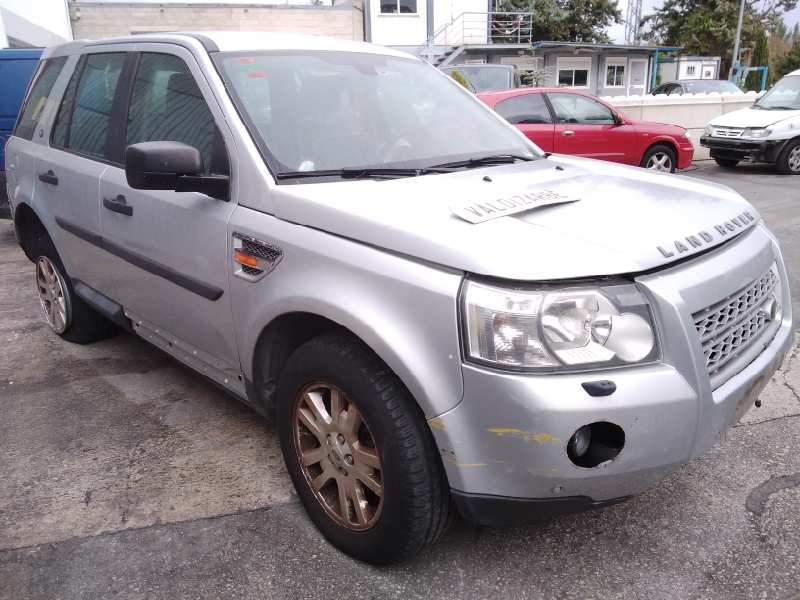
(436, 314)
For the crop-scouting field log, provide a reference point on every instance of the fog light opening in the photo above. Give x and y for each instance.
(595, 444)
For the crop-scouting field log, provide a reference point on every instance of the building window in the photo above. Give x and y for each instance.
(690, 70)
(573, 72)
(573, 77)
(615, 76)
(393, 7)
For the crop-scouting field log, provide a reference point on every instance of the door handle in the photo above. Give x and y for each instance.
(49, 177)
(118, 205)
(568, 132)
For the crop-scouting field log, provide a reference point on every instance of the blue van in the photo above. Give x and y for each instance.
(16, 69)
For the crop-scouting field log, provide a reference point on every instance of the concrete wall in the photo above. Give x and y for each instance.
(691, 111)
(399, 29)
(33, 23)
(105, 19)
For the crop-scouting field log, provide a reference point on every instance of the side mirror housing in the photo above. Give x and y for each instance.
(171, 166)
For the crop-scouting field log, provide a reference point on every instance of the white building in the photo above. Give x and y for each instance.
(33, 23)
(689, 67)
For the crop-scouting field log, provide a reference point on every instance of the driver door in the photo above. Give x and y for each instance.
(585, 127)
(170, 250)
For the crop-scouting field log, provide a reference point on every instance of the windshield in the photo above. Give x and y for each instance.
(707, 86)
(321, 110)
(785, 95)
(485, 79)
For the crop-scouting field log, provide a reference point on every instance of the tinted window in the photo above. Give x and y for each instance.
(399, 6)
(529, 109)
(46, 76)
(572, 108)
(167, 105)
(84, 117)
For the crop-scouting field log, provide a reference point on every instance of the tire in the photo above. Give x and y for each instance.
(413, 506)
(659, 158)
(79, 322)
(726, 163)
(788, 162)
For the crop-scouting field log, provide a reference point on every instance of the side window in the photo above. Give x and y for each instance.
(528, 109)
(45, 77)
(84, 116)
(573, 108)
(167, 105)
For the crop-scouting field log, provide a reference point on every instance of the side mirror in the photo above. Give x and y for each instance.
(171, 166)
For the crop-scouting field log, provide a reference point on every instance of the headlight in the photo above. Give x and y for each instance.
(551, 329)
(756, 133)
(709, 130)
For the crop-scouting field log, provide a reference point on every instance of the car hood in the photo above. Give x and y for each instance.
(622, 220)
(753, 117)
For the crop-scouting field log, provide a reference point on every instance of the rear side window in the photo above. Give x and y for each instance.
(529, 109)
(167, 105)
(31, 112)
(83, 120)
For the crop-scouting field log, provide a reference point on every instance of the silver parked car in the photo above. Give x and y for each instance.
(436, 313)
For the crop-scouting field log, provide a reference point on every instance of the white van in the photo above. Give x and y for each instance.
(768, 131)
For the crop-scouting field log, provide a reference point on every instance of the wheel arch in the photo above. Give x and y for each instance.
(29, 228)
(663, 141)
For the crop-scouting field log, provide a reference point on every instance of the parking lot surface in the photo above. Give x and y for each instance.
(124, 475)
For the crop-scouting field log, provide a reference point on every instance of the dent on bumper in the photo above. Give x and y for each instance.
(508, 437)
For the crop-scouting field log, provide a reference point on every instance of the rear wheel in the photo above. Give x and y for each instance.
(726, 163)
(789, 160)
(659, 158)
(359, 452)
(66, 314)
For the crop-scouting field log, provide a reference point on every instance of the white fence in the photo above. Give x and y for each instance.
(691, 111)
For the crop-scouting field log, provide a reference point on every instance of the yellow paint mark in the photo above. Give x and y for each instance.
(528, 436)
(436, 423)
(471, 464)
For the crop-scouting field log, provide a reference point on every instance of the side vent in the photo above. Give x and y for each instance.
(253, 259)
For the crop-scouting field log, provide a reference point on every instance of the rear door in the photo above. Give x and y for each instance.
(586, 127)
(171, 253)
(81, 148)
(531, 115)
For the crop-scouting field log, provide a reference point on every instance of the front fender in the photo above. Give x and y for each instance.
(403, 309)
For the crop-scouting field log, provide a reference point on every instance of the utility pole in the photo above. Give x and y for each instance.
(735, 59)
(633, 21)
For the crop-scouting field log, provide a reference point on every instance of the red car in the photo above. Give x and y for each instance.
(566, 121)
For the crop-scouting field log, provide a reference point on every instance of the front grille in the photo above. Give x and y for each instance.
(727, 132)
(727, 328)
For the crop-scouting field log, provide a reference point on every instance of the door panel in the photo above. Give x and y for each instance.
(170, 251)
(588, 128)
(530, 114)
(68, 173)
(637, 78)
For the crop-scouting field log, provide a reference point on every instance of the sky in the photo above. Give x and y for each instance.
(617, 32)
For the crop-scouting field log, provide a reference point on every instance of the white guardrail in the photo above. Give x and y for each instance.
(690, 111)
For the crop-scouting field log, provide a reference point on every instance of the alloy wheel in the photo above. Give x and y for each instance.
(794, 160)
(660, 161)
(52, 295)
(338, 456)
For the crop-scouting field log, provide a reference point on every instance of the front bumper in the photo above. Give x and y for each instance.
(685, 156)
(507, 439)
(743, 150)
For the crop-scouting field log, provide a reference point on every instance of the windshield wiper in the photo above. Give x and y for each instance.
(781, 107)
(493, 159)
(361, 173)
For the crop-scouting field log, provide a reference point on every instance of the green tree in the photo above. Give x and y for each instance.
(459, 77)
(791, 61)
(561, 20)
(708, 27)
(760, 59)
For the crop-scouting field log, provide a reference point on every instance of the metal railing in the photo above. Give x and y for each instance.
(486, 28)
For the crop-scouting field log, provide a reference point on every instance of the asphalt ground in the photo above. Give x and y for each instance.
(124, 475)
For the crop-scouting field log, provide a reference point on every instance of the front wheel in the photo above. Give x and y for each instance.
(359, 452)
(659, 158)
(726, 163)
(789, 159)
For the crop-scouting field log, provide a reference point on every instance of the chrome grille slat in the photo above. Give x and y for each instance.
(727, 132)
(728, 328)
